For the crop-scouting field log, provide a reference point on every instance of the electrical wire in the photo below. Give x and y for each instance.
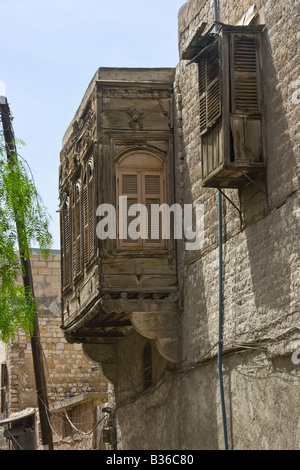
(62, 405)
(50, 414)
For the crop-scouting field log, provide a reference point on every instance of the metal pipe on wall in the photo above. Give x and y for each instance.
(220, 338)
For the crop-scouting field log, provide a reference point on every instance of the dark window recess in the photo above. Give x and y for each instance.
(147, 365)
(4, 383)
(68, 429)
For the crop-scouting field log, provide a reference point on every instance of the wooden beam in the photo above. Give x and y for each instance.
(96, 334)
(108, 324)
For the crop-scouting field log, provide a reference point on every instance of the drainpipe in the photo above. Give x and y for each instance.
(220, 339)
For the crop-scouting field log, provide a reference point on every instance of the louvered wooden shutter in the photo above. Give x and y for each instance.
(153, 195)
(209, 87)
(91, 209)
(88, 212)
(129, 184)
(245, 94)
(76, 229)
(86, 219)
(66, 244)
(245, 118)
(141, 185)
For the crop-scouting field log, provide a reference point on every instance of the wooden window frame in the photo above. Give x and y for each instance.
(234, 135)
(76, 230)
(210, 95)
(88, 210)
(66, 243)
(245, 118)
(141, 197)
(244, 74)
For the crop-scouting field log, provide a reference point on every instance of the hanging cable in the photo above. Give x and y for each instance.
(83, 433)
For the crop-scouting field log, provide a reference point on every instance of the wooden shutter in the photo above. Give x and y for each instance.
(130, 186)
(66, 245)
(245, 93)
(85, 219)
(152, 192)
(76, 229)
(91, 208)
(245, 118)
(89, 212)
(209, 87)
(141, 180)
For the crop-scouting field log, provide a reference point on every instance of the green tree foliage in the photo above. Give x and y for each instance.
(22, 208)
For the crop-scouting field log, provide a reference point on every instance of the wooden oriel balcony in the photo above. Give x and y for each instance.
(120, 142)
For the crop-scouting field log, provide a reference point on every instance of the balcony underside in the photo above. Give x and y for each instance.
(233, 176)
(114, 315)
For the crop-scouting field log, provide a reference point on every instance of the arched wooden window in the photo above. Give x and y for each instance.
(147, 365)
(66, 242)
(89, 211)
(141, 178)
(76, 228)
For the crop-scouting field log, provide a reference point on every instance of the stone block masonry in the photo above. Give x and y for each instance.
(67, 368)
(261, 270)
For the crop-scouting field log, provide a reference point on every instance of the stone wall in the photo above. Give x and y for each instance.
(260, 272)
(261, 266)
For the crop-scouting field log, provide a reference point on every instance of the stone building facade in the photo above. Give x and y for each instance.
(232, 320)
(67, 369)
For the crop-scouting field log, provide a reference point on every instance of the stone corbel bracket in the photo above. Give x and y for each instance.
(154, 319)
(104, 352)
(164, 328)
(158, 320)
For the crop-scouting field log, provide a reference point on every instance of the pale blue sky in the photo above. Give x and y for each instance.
(50, 50)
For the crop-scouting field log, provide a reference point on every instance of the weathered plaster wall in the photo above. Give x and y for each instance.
(183, 411)
(261, 272)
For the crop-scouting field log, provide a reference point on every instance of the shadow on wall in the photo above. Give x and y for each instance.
(198, 392)
(267, 297)
(272, 242)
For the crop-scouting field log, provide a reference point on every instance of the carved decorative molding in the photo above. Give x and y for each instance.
(166, 107)
(137, 117)
(82, 128)
(133, 93)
